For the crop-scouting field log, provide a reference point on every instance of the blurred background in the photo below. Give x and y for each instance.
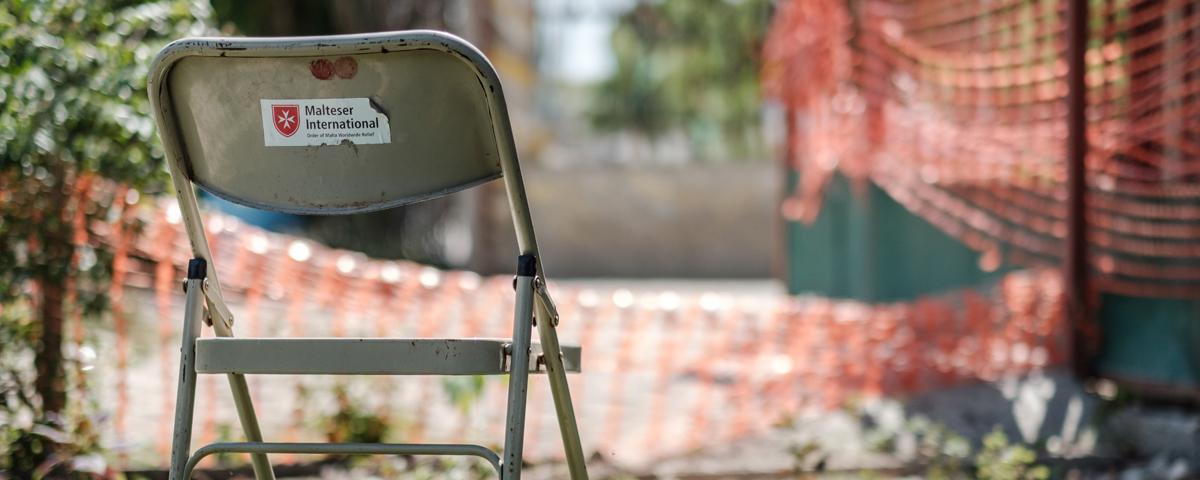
(661, 105)
(796, 238)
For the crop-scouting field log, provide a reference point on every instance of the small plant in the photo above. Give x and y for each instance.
(802, 454)
(431, 468)
(44, 450)
(944, 453)
(463, 391)
(26, 452)
(1001, 461)
(353, 424)
(785, 420)
(225, 434)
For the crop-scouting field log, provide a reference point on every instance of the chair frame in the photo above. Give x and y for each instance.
(533, 304)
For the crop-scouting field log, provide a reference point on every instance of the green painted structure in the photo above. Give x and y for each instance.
(1153, 340)
(869, 247)
(866, 246)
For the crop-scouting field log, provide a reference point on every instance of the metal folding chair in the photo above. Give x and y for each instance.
(338, 125)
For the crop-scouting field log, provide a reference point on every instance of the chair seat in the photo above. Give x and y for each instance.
(369, 356)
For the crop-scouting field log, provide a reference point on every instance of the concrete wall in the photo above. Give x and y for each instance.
(684, 222)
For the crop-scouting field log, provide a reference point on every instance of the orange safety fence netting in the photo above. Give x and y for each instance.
(957, 109)
(665, 371)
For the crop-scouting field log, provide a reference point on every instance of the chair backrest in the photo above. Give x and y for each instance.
(333, 125)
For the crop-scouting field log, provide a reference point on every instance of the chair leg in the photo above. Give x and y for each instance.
(518, 370)
(185, 401)
(185, 397)
(245, 409)
(562, 397)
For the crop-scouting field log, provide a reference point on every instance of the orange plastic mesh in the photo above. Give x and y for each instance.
(741, 361)
(957, 108)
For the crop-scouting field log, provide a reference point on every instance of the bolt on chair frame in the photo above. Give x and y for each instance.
(231, 71)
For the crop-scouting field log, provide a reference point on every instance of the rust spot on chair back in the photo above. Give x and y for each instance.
(346, 67)
(322, 69)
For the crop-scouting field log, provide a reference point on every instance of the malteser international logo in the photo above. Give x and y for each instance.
(303, 122)
(287, 119)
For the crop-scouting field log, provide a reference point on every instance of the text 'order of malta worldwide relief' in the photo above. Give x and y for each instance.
(325, 121)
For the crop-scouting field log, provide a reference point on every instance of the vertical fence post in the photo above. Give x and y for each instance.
(1075, 259)
(781, 265)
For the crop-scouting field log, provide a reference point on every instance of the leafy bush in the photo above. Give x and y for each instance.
(1001, 461)
(945, 455)
(687, 65)
(74, 114)
(353, 424)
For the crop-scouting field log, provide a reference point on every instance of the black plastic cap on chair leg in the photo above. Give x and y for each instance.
(197, 269)
(526, 266)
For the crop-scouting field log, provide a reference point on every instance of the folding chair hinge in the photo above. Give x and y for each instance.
(527, 266)
(544, 297)
(217, 303)
(536, 362)
(198, 270)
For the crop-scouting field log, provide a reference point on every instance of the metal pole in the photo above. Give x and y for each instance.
(245, 409)
(781, 264)
(527, 243)
(211, 287)
(185, 396)
(1075, 260)
(343, 449)
(561, 391)
(518, 371)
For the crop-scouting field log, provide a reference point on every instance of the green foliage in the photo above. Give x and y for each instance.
(803, 454)
(942, 452)
(225, 434)
(74, 86)
(690, 65)
(1001, 461)
(463, 391)
(450, 468)
(73, 103)
(41, 450)
(946, 455)
(352, 423)
(26, 451)
(17, 329)
(73, 112)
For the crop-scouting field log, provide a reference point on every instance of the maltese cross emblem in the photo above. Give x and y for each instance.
(287, 119)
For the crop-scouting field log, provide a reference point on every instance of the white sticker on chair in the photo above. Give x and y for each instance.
(323, 121)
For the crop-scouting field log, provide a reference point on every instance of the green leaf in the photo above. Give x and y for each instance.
(686, 65)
